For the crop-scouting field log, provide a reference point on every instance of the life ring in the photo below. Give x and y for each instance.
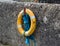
(33, 23)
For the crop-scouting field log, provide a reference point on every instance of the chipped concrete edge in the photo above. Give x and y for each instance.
(28, 3)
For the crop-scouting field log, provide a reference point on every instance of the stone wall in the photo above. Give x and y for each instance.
(47, 31)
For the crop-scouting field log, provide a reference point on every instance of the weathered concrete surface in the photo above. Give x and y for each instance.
(47, 31)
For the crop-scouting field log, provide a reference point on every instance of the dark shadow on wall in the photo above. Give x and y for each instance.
(49, 1)
(40, 1)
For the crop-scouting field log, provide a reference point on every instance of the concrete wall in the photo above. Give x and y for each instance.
(47, 31)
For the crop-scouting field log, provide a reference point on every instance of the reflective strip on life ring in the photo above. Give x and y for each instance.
(33, 23)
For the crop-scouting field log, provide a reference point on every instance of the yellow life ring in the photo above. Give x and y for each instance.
(33, 23)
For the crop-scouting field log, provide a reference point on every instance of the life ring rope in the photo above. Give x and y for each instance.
(28, 33)
(33, 23)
